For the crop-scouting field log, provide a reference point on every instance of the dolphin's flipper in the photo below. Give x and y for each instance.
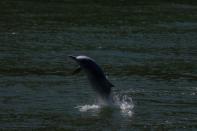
(76, 71)
(109, 83)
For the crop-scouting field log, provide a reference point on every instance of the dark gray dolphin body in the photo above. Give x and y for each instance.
(96, 77)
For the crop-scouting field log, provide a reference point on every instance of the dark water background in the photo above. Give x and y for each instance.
(147, 48)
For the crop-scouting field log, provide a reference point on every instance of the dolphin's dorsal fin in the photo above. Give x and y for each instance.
(76, 71)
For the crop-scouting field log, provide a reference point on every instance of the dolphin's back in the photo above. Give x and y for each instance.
(98, 80)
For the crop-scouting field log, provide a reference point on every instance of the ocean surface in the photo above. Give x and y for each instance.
(148, 50)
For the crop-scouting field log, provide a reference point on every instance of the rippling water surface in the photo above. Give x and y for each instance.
(148, 51)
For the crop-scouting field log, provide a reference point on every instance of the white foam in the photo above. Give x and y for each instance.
(125, 104)
(86, 108)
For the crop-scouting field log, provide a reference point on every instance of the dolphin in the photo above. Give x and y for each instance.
(96, 77)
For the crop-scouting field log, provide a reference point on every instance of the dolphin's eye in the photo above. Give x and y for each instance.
(83, 61)
(86, 63)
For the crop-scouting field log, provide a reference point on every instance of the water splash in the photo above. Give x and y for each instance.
(123, 102)
(85, 108)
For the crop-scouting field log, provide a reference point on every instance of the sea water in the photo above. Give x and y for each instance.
(147, 49)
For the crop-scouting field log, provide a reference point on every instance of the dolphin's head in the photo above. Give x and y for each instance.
(85, 62)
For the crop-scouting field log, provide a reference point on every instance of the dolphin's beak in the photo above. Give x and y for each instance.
(72, 57)
(76, 71)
